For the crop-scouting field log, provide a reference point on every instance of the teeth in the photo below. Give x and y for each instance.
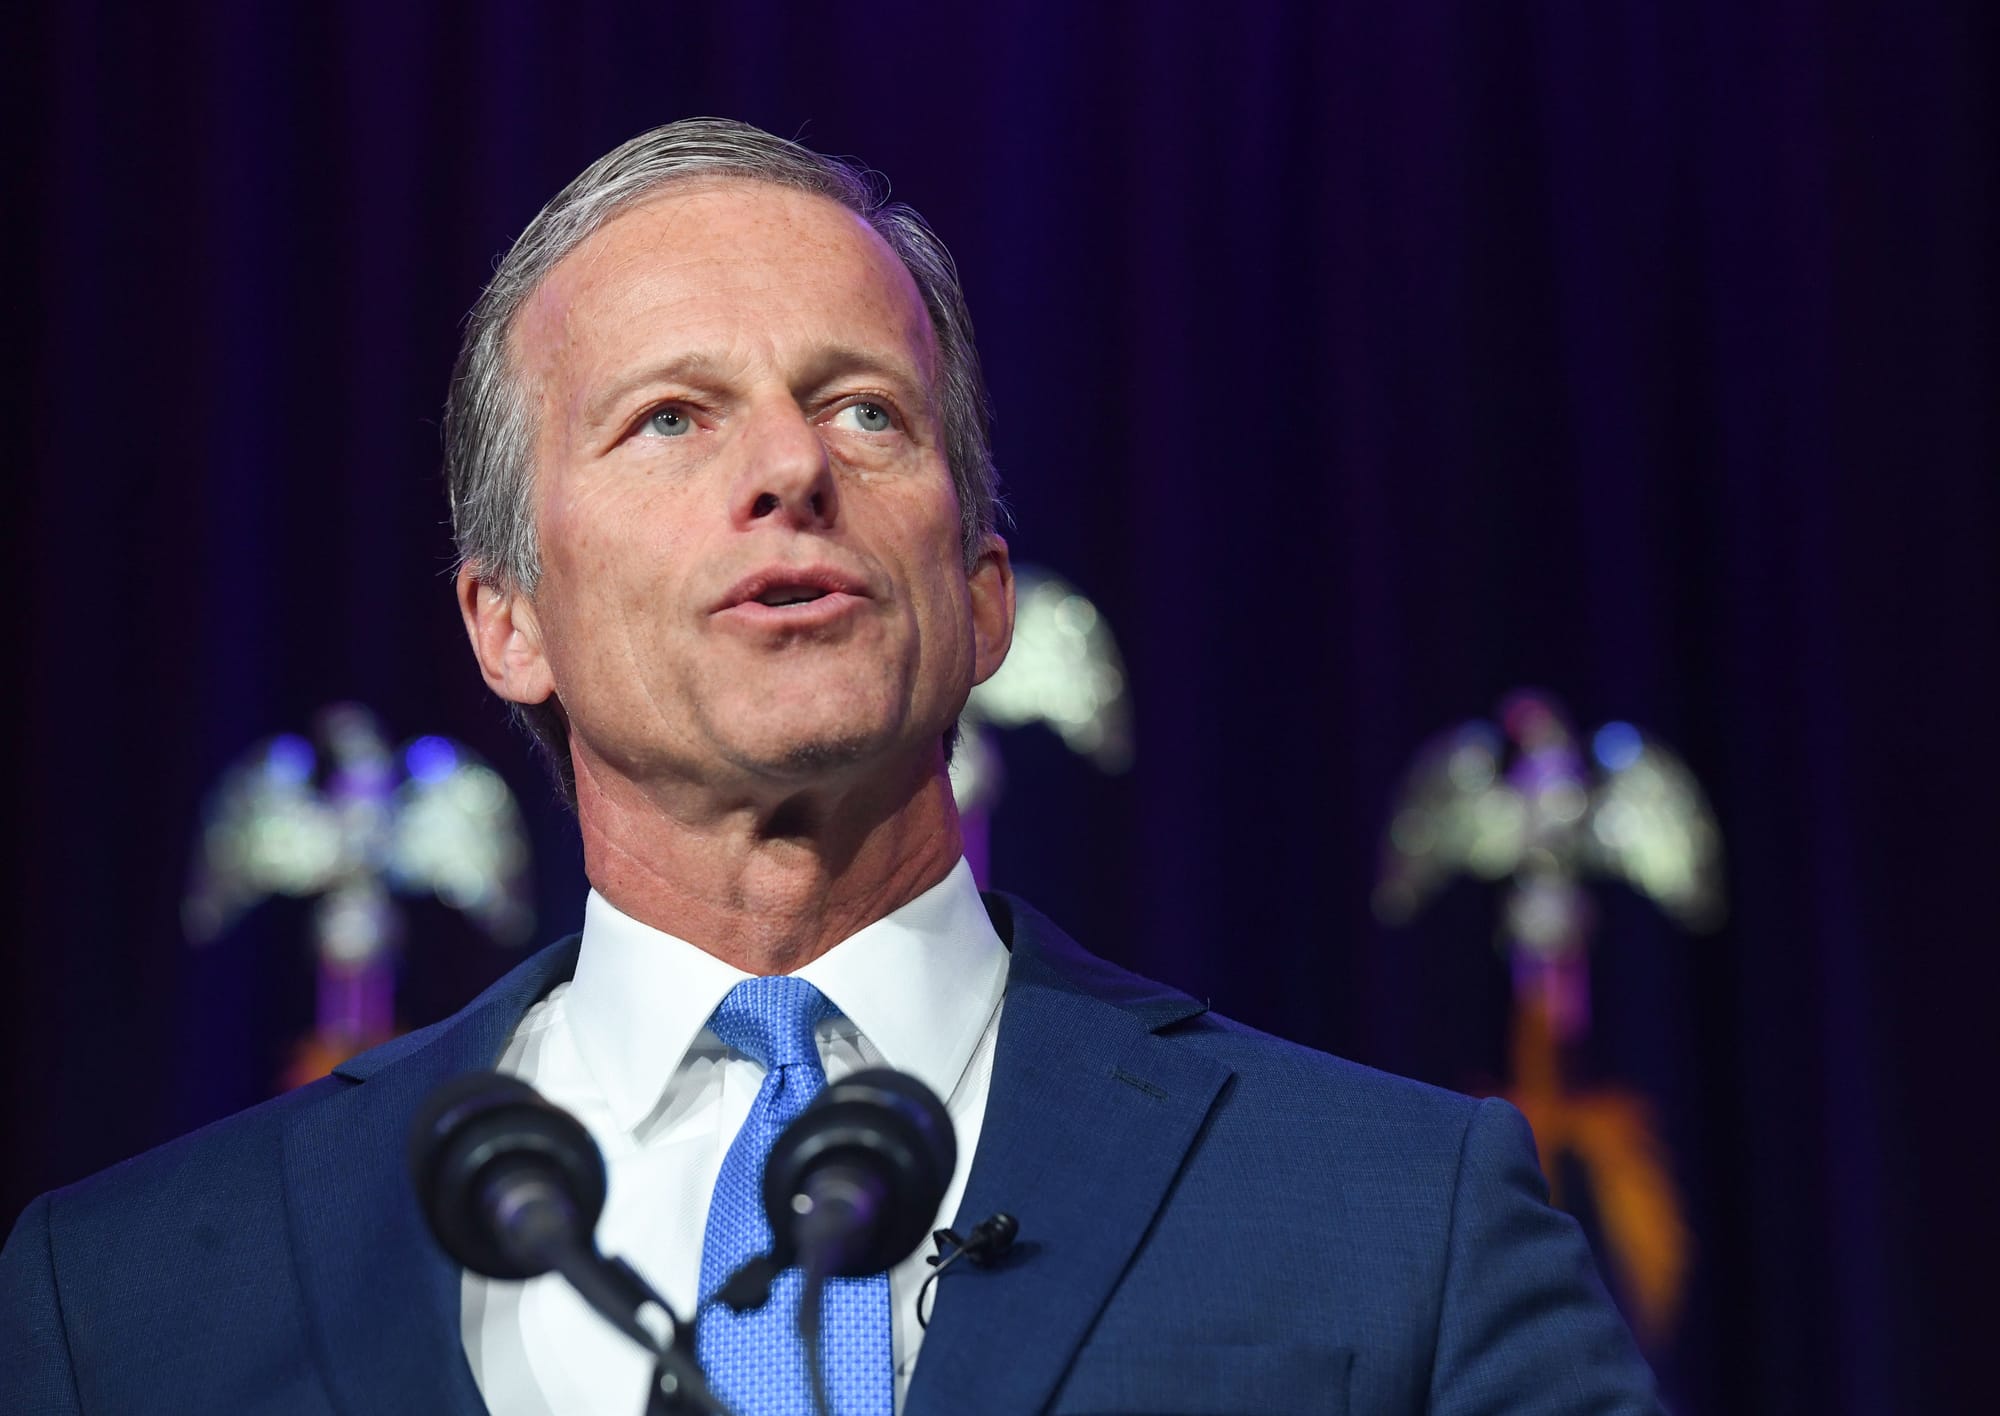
(789, 597)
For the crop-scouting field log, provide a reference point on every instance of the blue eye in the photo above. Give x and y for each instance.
(669, 423)
(868, 417)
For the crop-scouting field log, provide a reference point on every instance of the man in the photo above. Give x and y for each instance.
(720, 477)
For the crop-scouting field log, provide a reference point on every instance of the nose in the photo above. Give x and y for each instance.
(786, 474)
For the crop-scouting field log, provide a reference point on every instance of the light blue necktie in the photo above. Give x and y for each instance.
(754, 1360)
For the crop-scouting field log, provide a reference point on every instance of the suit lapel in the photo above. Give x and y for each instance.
(1087, 1124)
(382, 1299)
(1088, 1121)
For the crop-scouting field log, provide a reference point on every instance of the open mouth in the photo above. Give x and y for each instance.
(779, 596)
(796, 589)
(794, 599)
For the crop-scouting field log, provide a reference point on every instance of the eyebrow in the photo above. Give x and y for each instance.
(841, 361)
(691, 368)
(699, 368)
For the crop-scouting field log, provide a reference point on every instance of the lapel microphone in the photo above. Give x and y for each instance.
(985, 1246)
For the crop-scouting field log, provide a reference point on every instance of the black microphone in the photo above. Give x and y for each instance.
(989, 1242)
(512, 1186)
(508, 1181)
(986, 1245)
(853, 1184)
(850, 1187)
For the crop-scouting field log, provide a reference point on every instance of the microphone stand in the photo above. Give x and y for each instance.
(678, 1387)
(544, 1225)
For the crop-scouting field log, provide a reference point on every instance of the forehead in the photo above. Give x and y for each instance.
(732, 268)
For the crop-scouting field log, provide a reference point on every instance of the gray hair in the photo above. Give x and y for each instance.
(489, 426)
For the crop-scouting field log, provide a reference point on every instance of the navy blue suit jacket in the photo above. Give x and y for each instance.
(1212, 1220)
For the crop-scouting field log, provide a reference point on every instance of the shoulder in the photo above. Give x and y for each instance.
(1303, 1076)
(230, 1168)
(1275, 1085)
(213, 1167)
(202, 1240)
(1388, 1146)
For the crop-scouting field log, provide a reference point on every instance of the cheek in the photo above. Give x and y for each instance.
(936, 571)
(613, 566)
(608, 539)
(944, 611)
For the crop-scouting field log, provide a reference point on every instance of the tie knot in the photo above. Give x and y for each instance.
(771, 1020)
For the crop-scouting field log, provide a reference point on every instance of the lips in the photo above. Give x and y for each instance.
(779, 596)
(793, 595)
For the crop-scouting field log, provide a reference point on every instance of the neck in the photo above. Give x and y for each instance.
(772, 883)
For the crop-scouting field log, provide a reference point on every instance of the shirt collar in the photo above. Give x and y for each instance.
(919, 984)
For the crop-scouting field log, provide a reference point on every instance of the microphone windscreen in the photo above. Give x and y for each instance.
(476, 1134)
(881, 1122)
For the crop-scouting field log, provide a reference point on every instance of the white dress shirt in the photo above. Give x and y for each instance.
(625, 1047)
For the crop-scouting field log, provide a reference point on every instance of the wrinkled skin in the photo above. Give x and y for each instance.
(754, 608)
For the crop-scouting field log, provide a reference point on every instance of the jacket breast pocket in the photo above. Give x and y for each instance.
(1205, 1379)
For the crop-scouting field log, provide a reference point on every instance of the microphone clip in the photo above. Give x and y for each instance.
(985, 1246)
(750, 1286)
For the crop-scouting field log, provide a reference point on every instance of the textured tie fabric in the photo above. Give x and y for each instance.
(754, 1360)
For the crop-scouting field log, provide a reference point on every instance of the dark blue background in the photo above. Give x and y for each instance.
(1360, 360)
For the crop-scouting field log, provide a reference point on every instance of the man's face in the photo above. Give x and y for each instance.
(752, 572)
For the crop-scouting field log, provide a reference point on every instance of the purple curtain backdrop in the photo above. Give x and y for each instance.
(1360, 360)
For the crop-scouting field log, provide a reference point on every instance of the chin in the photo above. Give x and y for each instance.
(825, 755)
(801, 746)
(807, 730)
(824, 751)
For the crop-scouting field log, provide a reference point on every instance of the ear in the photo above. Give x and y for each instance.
(992, 586)
(506, 638)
